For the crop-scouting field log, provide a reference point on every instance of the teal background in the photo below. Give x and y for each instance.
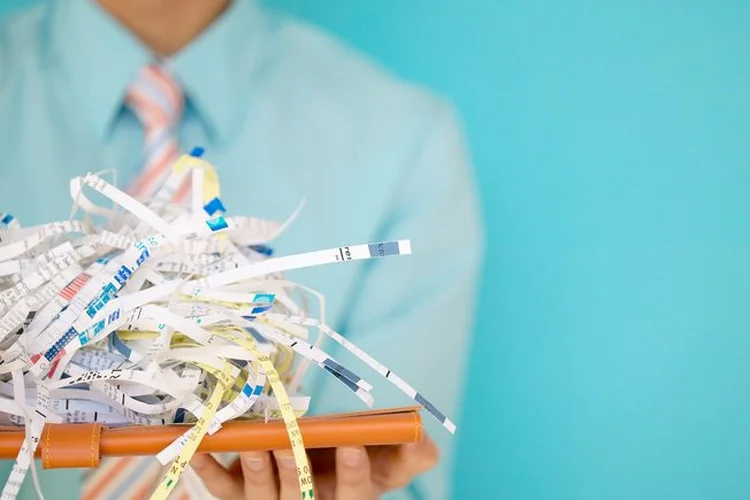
(611, 146)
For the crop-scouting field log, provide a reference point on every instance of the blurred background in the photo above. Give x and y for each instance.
(610, 140)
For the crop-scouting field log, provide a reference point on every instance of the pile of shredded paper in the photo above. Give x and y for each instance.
(161, 312)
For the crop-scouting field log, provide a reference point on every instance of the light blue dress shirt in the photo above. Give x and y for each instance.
(286, 113)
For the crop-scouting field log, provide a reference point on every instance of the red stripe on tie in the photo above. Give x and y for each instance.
(150, 176)
(160, 79)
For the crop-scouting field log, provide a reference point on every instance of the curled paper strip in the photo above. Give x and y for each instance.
(164, 313)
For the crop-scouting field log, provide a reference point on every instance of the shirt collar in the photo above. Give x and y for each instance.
(217, 69)
(100, 58)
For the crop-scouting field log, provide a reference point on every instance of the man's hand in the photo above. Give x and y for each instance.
(350, 473)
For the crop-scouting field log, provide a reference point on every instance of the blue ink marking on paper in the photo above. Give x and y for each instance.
(383, 249)
(430, 408)
(262, 249)
(341, 370)
(60, 344)
(217, 224)
(260, 309)
(261, 298)
(351, 385)
(257, 336)
(214, 206)
(120, 346)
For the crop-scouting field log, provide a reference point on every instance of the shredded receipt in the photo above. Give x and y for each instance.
(157, 312)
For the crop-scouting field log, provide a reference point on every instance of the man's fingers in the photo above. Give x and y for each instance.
(219, 481)
(288, 477)
(353, 480)
(423, 455)
(410, 460)
(259, 474)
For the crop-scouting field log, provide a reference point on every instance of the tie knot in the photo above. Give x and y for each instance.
(156, 98)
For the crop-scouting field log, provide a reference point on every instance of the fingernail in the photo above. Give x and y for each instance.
(351, 456)
(254, 462)
(287, 462)
(198, 462)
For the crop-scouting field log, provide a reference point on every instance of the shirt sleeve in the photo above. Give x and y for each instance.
(415, 313)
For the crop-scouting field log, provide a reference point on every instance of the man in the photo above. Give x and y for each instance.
(286, 113)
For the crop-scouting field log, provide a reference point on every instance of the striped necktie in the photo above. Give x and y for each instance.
(157, 100)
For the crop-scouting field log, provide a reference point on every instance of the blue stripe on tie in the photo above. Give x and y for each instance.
(154, 148)
(148, 87)
(134, 479)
